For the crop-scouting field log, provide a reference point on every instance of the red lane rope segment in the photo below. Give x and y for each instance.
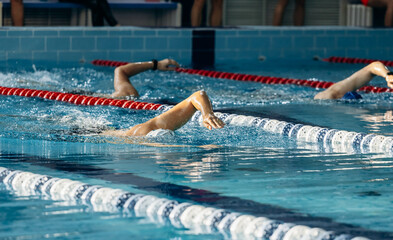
(252, 78)
(356, 60)
(78, 99)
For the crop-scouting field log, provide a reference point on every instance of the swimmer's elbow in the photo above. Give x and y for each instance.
(377, 65)
(377, 68)
(200, 93)
(118, 71)
(197, 96)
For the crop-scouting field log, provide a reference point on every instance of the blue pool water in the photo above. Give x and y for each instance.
(248, 170)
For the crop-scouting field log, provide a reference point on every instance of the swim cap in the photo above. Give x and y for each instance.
(160, 133)
(351, 96)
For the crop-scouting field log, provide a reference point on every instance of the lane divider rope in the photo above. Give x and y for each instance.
(331, 140)
(253, 78)
(160, 210)
(335, 59)
(334, 139)
(80, 99)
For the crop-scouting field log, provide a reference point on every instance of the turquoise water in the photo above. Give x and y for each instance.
(247, 163)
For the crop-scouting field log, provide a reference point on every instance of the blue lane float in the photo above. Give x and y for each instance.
(329, 139)
(161, 210)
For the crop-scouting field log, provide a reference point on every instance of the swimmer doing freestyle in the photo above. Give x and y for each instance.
(172, 119)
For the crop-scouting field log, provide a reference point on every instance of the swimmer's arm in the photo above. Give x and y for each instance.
(182, 112)
(355, 81)
(180, 115)
(122, 84)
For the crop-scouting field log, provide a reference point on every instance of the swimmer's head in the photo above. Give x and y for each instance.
(351, 96)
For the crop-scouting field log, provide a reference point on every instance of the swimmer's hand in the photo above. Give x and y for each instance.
(389, 80)
(210, 121)
(167, 65)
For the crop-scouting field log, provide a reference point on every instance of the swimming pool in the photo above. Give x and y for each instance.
(249, 170)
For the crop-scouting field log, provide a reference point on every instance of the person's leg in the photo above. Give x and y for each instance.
(389, 14)
(279, 11)
(17, 12)
(299, 13)
(378, 3)
(107, 12)
(196, 12)
(97, 17)
(216, 13)
(354, 82)
(388, 4)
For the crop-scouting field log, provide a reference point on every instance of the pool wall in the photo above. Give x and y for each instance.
(303, 43)
(72, 44)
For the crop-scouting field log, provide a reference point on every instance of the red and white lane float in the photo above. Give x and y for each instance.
(80, 99)
(356, 60)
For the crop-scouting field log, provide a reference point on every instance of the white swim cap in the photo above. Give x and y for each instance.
(160, 133)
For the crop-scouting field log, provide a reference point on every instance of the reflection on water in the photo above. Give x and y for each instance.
(378, 122)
